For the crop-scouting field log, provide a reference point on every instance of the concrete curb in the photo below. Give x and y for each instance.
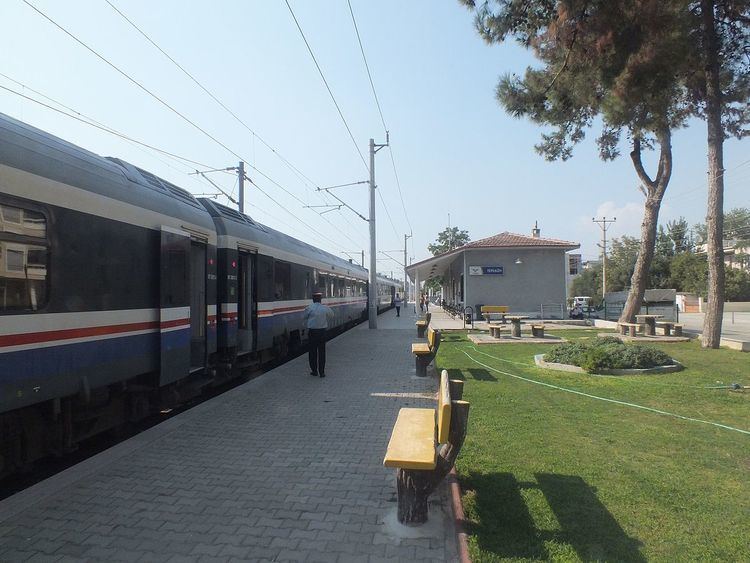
(462, 538)
(676, 366)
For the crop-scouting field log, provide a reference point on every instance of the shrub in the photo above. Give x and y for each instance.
(607, 353)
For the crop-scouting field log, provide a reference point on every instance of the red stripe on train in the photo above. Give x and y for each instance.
(70, 333)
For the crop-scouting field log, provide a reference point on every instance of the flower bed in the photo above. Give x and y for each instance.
(610, 355)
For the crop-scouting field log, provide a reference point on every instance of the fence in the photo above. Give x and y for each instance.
(612, 311)
(552, 311)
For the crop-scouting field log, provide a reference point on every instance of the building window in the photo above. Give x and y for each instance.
(24, 258)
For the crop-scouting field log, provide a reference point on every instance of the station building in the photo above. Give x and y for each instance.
(527, 273)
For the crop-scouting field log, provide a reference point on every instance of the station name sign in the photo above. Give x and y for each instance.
(486, 270)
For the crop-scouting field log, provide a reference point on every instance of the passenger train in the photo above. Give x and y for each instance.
(121, 294)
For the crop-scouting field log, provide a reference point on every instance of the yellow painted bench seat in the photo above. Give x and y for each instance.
(421, 323)
(412, 443)
(494, 309)
(420, 348)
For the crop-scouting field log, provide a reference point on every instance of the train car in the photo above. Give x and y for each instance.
(104, 293)
(121, 294)
(267, 278)
(387, 289)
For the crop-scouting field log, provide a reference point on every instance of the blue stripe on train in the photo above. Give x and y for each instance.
(71, 358)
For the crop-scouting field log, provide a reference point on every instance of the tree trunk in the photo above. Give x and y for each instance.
(654, 190)
(715, 209)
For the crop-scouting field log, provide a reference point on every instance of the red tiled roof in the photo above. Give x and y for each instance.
(507, 239)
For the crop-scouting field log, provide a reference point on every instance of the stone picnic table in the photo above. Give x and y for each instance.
(650, 323)
(515, 322)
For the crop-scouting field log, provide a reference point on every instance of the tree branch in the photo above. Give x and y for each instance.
(635, 156)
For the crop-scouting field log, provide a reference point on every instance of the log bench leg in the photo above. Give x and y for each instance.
(414, 486)
(422, 364)
(678, 331)
(632, 330)
(420, 331)
(667, 331)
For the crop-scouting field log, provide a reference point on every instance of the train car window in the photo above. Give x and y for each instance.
(265, 278)
(301, 280)
(282, 281)
(24, 259)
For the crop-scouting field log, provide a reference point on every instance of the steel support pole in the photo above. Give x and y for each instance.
(241, 179)
(373, 293)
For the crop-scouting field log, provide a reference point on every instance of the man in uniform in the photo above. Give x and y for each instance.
(316, 318)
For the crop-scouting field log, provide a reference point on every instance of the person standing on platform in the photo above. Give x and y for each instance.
(397, 304)
(426, 302)
(421, 302)
(316, 319)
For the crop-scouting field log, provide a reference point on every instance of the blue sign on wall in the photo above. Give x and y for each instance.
(492, 270)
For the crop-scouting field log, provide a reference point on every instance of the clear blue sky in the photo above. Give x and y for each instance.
(455, 149)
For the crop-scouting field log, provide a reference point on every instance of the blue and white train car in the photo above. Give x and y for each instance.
(267, 278)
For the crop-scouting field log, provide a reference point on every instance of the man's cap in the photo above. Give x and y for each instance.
(317, 294)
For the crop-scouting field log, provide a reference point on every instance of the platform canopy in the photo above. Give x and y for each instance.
(439, 265)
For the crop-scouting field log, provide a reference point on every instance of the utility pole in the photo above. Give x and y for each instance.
(603, 226)
(406, 277)
(363, 258)
(241, 176)
(372, 296)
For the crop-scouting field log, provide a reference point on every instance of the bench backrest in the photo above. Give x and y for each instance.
(427, 317)
(443, 409)
(433, 339)
(494, 308)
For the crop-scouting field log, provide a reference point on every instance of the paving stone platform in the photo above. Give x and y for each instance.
(287, 467)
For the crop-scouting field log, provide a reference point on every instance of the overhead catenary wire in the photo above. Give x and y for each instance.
(382, 119)
(330, 92)
(307, 182)
(165, 104)
(88, 121)
(289, 164)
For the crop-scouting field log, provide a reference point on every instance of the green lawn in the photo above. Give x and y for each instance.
(552, 475)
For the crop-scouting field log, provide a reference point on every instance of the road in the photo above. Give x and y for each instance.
(734, 325)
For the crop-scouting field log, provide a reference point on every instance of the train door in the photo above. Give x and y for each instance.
(247, 304)
(174, 305)
(197, 305)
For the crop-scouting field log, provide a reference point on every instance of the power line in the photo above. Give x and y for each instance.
(213, 96)
(380, 111)
(91, 122)
(367, 67)
(305, 179)
(341, 115)
(132, 80)
(159, 99)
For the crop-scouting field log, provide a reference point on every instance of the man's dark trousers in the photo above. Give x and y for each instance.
(317, 353)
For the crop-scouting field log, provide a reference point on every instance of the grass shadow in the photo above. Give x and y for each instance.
(586, 523)
(504, 527)
(481, 374)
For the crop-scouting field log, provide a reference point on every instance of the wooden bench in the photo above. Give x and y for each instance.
(626, 328)
(488, 310)
(496, 331)
(424, 352)
(669, 327)
(422, 324)
(537, 330)
(423, 447)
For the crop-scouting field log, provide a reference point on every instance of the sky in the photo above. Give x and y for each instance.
(461, 160)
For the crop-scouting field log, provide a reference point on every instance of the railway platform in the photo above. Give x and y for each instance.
(286, 467)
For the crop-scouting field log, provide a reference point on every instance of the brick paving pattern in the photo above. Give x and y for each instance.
(287, 467)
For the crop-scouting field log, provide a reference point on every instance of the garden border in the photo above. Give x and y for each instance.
(671, 368)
